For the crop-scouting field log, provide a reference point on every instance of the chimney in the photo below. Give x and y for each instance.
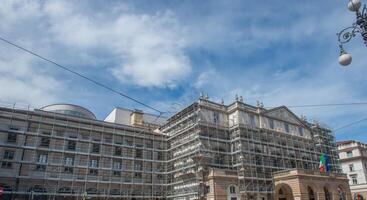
(136, 118)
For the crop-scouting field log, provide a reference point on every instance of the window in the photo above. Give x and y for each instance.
(271, 123)
(95, 148)
(12, 137)
(137, 175)
(215, 117)
(5, 164)
(351, 167)
(71, 145)
(93, 172)
(69, 161)
(68, 170)
(139, 153)
(300, 130)
(42, 158)
(138, 166)
(116, 173)
(118, 151)
(117, 165)
(232, 189)
(286, 127)
(93, 163)
(45, 142)
(8, 155)
(252, 120)
(354, 179)
(349, 154)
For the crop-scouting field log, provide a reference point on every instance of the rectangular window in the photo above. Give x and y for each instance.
(300, 130)
(93, 163)
(271, 123)
(8, 155)
(6, 164)
(42, 158)
(93, 172)
(12, 137)
(252, 120)
(95, 148)
(68, 170)
(118, 151)
(71, 145)
(286, 127)
(139, 153)
(41, 167)
(349, 154)
(117, 165)
(138, 166)
(69, 161)
(354, 180)
(215, 117)
(45, 142)
(351, 167)
(116, 173)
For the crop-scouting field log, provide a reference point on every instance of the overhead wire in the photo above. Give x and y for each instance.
(82, 76)
(68, 69)
(350, 124)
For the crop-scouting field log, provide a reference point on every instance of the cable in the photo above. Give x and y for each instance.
(81, 75)
(325, 105)
(350, 124)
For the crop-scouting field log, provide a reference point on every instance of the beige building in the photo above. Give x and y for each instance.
(311, 185)
(207, 150)
(353, 159)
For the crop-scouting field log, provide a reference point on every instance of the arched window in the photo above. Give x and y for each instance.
(232, 189)
(311, 194)
(341, 193)
(327, 194)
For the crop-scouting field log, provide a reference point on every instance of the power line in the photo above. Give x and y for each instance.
(350, 124)
(325, 105)
(81, 75)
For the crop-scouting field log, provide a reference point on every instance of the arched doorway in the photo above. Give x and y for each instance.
(233, 193)
(327, 194)
(341, 193)
(283, 192)
(311, 193)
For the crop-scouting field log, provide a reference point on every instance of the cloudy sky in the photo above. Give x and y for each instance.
(165, 53)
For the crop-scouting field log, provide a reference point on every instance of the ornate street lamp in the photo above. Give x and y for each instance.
(359, 26)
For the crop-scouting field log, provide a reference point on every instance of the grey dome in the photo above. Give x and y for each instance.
(69, 109)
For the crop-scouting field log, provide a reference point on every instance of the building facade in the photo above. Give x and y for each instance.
(310, 185)
(205, 151)
(353, 159)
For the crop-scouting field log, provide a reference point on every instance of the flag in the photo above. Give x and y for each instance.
(324, 165)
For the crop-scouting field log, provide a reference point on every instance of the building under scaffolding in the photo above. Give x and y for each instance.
(206, 151)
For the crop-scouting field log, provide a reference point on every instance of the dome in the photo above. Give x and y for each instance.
(69, 109)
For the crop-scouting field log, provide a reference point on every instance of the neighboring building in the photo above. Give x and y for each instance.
(353, 159)
(62, 151)
(207, 150)
(311, 185)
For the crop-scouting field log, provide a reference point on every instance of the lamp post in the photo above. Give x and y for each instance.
(359, 26)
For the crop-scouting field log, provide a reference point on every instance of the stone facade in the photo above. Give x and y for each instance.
(311, 185)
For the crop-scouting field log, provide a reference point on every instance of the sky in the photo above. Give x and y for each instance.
(165, 52)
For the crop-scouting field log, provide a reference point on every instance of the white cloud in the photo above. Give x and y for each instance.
(150, 47)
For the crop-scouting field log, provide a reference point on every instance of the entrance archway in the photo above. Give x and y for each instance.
(283, 192)
(311, 193)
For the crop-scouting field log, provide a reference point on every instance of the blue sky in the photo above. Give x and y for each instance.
(165, 52)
